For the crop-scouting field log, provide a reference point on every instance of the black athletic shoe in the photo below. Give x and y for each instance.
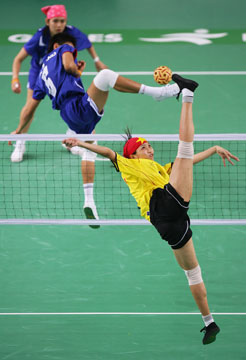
(89, 215)
(184, 83)
(210, 333)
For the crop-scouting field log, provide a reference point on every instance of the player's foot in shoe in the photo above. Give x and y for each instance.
(91, 215)
(165, 92)
(210, 333)
(17, 154)
(184, 83)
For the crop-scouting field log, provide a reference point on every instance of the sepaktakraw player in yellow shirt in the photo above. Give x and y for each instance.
(163, 193)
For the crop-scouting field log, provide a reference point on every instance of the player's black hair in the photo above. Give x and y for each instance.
(61, 39)
(128, 134)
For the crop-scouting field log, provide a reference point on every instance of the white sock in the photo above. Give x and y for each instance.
(208, 319)
(187, 95)
(88, 192)
(89, 200)
(163, 91)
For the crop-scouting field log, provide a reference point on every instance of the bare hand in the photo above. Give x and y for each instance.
(81, 65)
(16, 86)
(71, 142)
(225, 155)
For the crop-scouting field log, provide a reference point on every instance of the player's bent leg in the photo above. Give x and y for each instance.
(107, 79)
(99, 88)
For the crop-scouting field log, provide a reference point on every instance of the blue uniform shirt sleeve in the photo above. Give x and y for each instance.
(82, 41)
(68, 48)
(32, 46)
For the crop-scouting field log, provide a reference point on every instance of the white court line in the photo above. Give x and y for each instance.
(8, 73)
(116, 313)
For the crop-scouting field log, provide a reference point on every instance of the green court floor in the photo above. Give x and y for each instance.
(116, 293)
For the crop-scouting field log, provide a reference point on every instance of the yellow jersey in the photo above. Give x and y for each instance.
(142, 176)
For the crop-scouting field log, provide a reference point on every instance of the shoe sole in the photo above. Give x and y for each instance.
(186, 83)
(90, 216)
(212, 337)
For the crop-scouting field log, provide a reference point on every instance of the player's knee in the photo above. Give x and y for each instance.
(105, 79)
(185, 150)
(89, 155)
(194, 276)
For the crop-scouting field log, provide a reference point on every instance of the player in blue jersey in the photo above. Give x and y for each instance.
(59, 78)
(36, 47)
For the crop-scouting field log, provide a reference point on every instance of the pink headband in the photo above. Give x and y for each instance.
(54, 11)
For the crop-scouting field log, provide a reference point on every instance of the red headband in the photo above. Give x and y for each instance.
(54, 11)
(132, 145)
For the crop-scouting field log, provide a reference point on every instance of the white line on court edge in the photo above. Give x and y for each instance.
(117, 313)
(8, 73)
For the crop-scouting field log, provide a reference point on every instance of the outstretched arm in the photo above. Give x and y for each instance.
(223, 153)
(101, 150)
(15, 83)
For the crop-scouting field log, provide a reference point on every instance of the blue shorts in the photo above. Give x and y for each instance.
(80, 113)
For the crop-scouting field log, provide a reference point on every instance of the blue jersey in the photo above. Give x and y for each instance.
(54, 81)
(67, 93)
(37, 47)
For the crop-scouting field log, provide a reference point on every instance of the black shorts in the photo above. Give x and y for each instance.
(168, 214)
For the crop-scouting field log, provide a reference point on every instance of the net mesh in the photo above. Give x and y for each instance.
(47, 184)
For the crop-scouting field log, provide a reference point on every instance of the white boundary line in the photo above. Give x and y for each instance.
(140, 73)
(115, 313)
